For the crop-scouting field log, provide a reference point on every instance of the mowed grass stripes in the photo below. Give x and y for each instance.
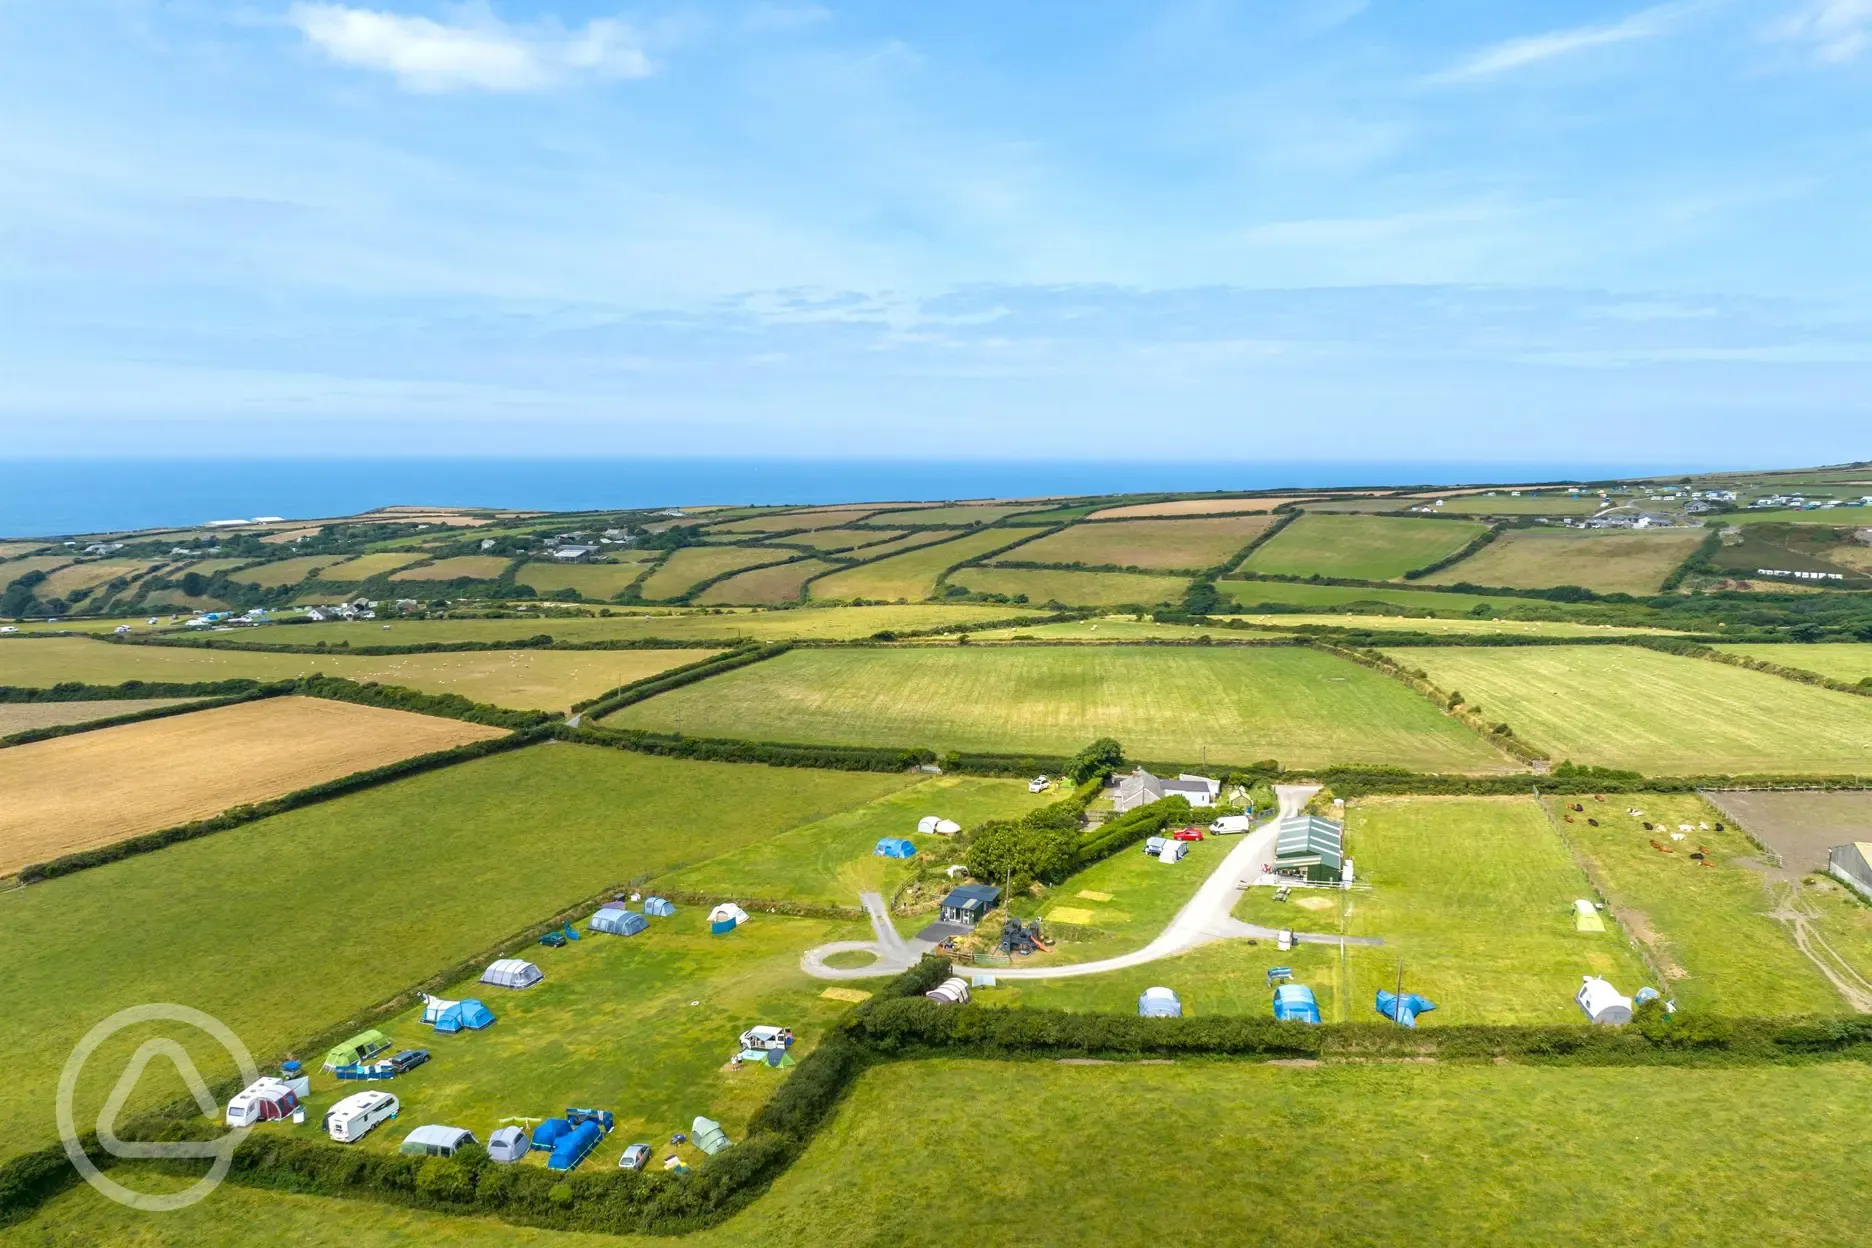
(1299, 706)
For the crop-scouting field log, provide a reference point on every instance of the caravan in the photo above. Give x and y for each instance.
(358, 1115)
(267, 1100)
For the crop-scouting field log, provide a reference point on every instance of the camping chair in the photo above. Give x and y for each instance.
(1277, 974)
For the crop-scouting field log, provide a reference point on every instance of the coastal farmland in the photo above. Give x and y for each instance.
(910, 576)
(693, 564)
(1156, 544)
(471, 567)
(1232, 704)
(24, 716)
(1075, 589)
(87, 789)
(1604, 562)
(1845, 661)
(765, 586)
(1368, 548)
(591, 580)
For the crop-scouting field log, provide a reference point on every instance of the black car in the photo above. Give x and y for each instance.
(408, 1060)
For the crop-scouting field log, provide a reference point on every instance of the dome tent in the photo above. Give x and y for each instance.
(507, 1144)
(726, 917)
(658, 906)
(1403, 1011)
(512, 973)
(1296, 1003)
(548, 1133)
(618, 921)
(894, 847)
(707, 1135)
(1159, 1003)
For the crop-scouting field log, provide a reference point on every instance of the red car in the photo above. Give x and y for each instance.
(1187, 834)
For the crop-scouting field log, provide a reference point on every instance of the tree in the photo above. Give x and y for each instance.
(194, 584)
(1098, 760)
(1808, 632)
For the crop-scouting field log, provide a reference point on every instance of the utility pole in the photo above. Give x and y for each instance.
(1397, 1002)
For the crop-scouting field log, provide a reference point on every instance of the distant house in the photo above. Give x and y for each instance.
(572, 554)
(1140, 788)
(1200, 790)
(967, 904)
(1310, 847)
(1851, 864)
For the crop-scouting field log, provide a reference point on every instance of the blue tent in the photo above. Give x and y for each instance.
(548, 1133)
(1388, 1004)
(469, 1015)
(894, 847)
(573, 1147)
(619, 921)
(1295, 1003)
(659, 907)
(1159, 1003)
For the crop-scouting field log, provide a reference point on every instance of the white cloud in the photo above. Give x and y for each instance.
(1838, 30)
(1513, 54)
(474, 52)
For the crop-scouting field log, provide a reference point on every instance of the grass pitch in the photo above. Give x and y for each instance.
(1845, 661)
(94, 788)
(1607, 563)
(1237, 704)
(1390, 601)
(765, 586)
(840, 539)
(1075, 589)
(285, 927)
(685, 567)
(1160, 544)
(910, 576)
(1619, 706)
(1371, 548)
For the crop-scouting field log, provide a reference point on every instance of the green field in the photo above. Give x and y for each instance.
(283, 571)
(1399, 601)
(1238, 704)
(1436, 1154)
(1503, 504)
(781, 522)
(591, 580)
(765, 586)
(1604, 562)
(79, 576)
(1369, 548)
(840, 539)
(524, 679)
(476, 567)
(1847, 661)
(898, 545)
(1456, 627)
(13, 569)
(1076, 589)
(831, 860)
(910, 576)
(1620, 706)
(285, 927)
(685, 567)
(1114, 628)
(962, 514)
(1708, 926)
(1145, 895)
(364, 567)
(1165, 544)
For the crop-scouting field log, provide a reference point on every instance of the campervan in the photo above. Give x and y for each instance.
(266, 1100)
(765, 1037)
(357, 1115)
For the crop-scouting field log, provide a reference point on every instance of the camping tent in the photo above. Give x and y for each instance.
(548, 1132)
(1159, 1003)
(507, 1144)
(707, 1135)
(894, 847)
(511, 973)
(435, 1141)
(619, 921)
(1602, 1002)
(952, 991)
(1388, 1004)
(435, 1007)
(778, 1058)
(930, 825)
(469, 1015)
(365, 1044)
(659, 907)
(726, 917)
(574, 1146)
(1172, 851)
(1295, 1003)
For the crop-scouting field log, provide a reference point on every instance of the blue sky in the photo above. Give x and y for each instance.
(1434, 230)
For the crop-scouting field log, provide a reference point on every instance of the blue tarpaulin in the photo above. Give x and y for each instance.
(1387, 1004)
(1295, 1003)
(894, 847)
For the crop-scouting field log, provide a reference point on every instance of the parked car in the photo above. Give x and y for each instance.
(1188, 834)
(636, 1157)
(408, 1060)
(1037, 784)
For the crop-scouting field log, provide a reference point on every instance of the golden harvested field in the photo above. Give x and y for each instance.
(364, 567)
(1158, 544)
(1607, 563)
(86, 576)
(764, 585)
(910, 576)
(94, 788)
(14, 569)
(480, 567)
(1195, 507)
(839, 539)
(10, 549)
(691, 564)
(285, 571)
(546, 680)
(1075, 589)
(896, 546)
(23, 716)
(592, 580)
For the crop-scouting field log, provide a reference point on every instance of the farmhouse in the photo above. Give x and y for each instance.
(967, 904)
(572, 554)
(1851, 864)
(1310, 847)
(1141, 788)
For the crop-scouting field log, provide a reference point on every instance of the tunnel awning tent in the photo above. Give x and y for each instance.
(512, 973)
(707, 1135)
(364, 1045)
(659, 906)
(952, 991)
(436, 1141)
(469, 1015)
(1601, 1002)
(618, 921)
(1159, 1003)
(894, 847)
(1295, 1003)
(575, 1146)
(726, 917)
(436, 1007)
(548, 1132)
(508, 1144)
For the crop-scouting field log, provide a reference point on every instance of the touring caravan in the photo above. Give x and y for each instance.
(358, 1115)
(266, 1100)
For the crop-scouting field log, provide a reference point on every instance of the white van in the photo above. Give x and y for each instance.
(354, 1117)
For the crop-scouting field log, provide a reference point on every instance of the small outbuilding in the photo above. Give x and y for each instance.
(1159, 1003)
(1851, 865)
(508, 1144)
(618, 921)
(894, 847)
(725, 918)
(968, 904)
(1309, 847)
(707, 1135)
(660, 907)
(1602, 1003)
(468, 1015)
(359, 1048)
(434, 1141)
(512, 973)
(1296, 1003)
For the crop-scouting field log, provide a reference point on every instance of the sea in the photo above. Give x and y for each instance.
(53, 498)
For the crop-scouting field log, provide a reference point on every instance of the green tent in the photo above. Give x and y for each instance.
(361, 1047)
(708, 1136)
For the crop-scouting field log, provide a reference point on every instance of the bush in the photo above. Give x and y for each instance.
(1096, 761)
(1128, 829)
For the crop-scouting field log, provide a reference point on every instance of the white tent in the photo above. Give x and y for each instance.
(512, 973)
(1172, 851)
(433, 1008)
(727, 912)
(952, 991)
(1602, 1002)
(931, 825)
